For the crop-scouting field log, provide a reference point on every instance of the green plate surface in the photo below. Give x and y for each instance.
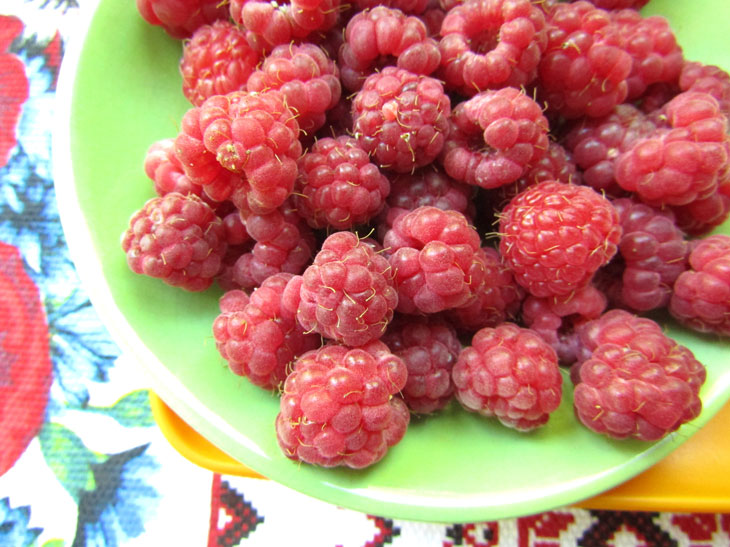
(120, 91)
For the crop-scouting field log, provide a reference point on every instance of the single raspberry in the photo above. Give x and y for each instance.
(177, 238)
(338, 185)
(584, 69)
(555, 318)
(376, 37)
(436, 260)
(163, 167)
(509, 372)
(338, 409)
(181, 18)
(257, 336)
(306, 76)
(635, 381)
(487, 44)
(429, 348)
(215, 61)
(347, 293)
(401, 118)
(555, 236)
(619, 4)
(684, 162)
(496, 137)
(701, 295)
(710, 79)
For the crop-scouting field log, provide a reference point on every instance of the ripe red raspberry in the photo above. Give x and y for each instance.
(338, 406)
(555, 236)
(338, 186)
(636, 381)
(375, 37)
(178, 239)
(710, 79)
(257, 336)
(436, 260)
(215, 61)
(510, 373)
(429, 348)
(585, 67)
(555, 318)
(307, 78)
(489, 44)
(619, 4)
(401, 118)
(702, 215)
(180, 18)
(163, 167)
(701, 296)
(347, 293)
(496, 137)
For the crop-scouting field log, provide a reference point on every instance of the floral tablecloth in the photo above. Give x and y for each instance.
(82, 461)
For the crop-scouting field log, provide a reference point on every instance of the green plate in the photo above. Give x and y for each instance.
(119, 91)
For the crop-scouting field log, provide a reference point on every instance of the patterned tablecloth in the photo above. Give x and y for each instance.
(82, 461)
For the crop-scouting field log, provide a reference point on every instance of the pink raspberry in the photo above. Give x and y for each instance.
(347, 293)
(496, 137)
(163, 167)
(436, 260)
(258, 337)
(489, 44)
(635, 381)
(215, 61)
(702, 215)
(308, 79)
(338, 186)
(415, 7)
(401, 118)
(555, 236)
(510, 373)
(701, 295)
(429, 348)
(180, 18)
(338, 409)
(585, 67)
(375, 37)
(710, 79)
(177, 238)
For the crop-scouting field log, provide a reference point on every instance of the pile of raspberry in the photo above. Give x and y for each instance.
(410, 209)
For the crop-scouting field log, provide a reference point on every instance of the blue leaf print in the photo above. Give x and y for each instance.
(14, 531)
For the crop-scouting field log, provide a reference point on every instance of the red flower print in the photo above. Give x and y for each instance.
(13, 86)
(25, 363)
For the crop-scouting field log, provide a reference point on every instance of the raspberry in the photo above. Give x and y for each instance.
(489, 44)
(555, 236)
(180, 18)
(619, 4)
(636, 381)
(307, 78)
(338, 409)
(584, 69)
(701, 295)
(496, 136)
(338, 186)
(652, 253)
(374, 37)
(435, 258)
(401, 118)
(177, 238)
(702, 215)
(258, 337)
(510, 373)
(346, 294)
(710, 79)
(555, 318)
(429, 348)
(415, 7)
(163, 167)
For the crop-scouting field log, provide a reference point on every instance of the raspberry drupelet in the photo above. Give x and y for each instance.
(436, 260)
(633, 381)
(163, 167)
(401, 118)
(338, 407)
(620, 4)
(511, 373)
(696, 76)
(257, 336)
(338, 186)
(347, 293)
(701, 295)
(554, 236)
(487, 44)
(178, 239)
(181, 18)
(496, 137)
(429, 348)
